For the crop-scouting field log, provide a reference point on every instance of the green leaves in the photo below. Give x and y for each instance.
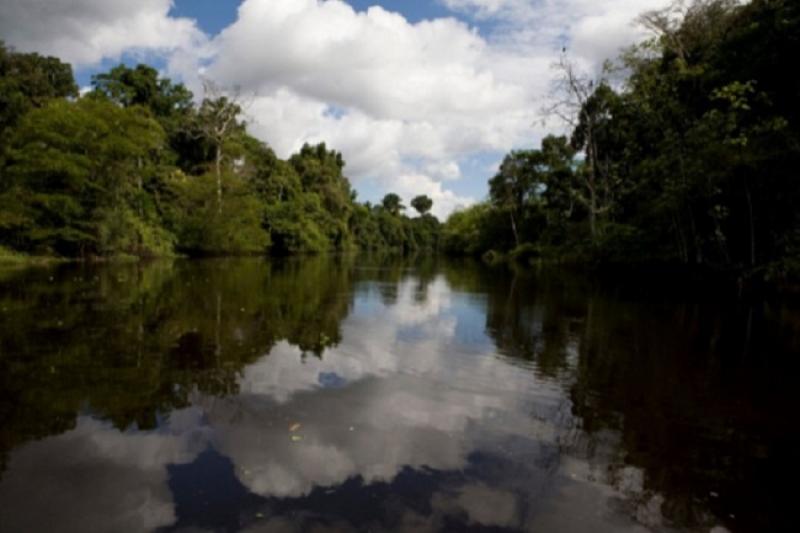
(692, 159)
(79, 160)
(392, 203)
(141, 86)
(422, 204)
(28, 81)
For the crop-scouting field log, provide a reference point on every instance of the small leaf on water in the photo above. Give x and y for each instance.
(294, 427)
(296, 438)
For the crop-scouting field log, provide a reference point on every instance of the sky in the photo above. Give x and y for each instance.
(421, 97)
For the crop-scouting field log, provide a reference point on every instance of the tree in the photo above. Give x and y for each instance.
(217, 121)
(422, 204)
(392, 203)
(203, 229)
(142, 86)
(584, 103)
(595, 134)
(321, 174)
(472, 230)
(29, 81)
(75, 175)
(514, 185)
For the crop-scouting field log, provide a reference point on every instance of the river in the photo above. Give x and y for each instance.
(385, 394)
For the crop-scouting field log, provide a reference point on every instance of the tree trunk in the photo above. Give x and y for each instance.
(514, 226)
(752, 224)
(140, 185)
(593, 215)
(696, 243)
(592, 183)
(219, 178)
(680, 238)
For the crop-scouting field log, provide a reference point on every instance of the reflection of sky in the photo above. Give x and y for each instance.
(412, 413)
(96, 478)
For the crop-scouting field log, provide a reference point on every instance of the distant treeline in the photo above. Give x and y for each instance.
(135, 167)
(686, 151)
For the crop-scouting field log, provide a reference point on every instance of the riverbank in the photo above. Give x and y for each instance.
(14, 258)
(777, 279)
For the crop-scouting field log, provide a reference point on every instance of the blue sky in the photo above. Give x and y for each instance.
(427, 99)
(214, 15)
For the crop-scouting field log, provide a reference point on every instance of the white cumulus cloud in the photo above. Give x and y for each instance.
(84, 32)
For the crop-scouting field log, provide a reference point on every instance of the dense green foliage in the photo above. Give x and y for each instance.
(692, 160)
(136, 167)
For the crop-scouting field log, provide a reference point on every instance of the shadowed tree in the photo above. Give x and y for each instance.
(29, 81)
(392, 203)
(422, 204)
(514, 186)
(584, 103)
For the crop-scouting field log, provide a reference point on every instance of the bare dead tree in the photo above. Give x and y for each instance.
(217, 120)
(571, 92)
(682, 21)
(665, 23)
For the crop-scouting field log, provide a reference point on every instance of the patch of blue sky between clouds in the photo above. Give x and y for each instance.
(370, 190)
(334, 111)
(476, 170)
(212, 16)
(413, 10)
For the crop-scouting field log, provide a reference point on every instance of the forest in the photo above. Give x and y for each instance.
(136, 168)
(683, 151)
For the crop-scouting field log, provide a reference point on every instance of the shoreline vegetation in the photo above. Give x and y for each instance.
(681, 158)
(135, 168)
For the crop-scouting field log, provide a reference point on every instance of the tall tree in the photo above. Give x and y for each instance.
(392, 203)
(583, 102)
(514, 185)
(422, 204)
(142, 86)
(29, 81)
(218, 121)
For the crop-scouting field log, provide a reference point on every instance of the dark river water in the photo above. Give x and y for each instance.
(379, 394)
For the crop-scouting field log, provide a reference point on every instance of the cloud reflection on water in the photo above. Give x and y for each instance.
(407, 394)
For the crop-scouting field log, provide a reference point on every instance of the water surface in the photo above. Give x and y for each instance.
(380, 394)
